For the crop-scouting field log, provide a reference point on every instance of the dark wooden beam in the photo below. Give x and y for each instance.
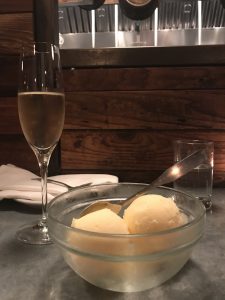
(143, 57)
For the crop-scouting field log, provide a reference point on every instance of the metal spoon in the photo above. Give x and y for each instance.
(69, 187)
(171, 174)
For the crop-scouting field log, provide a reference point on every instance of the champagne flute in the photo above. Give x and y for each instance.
(41, 108)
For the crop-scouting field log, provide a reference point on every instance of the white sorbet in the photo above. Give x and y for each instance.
(152, 213)
(103, 220)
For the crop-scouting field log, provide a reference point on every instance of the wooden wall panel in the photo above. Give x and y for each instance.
(15, 29)
(8, 75)
(160, 109)
(123, 121)
(145, 79)
(9, 116)
(118, 120)
(138, 150)
(15, 150)
(13, 6)
(127, 79)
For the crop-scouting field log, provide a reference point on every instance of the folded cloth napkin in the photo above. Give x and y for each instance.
(19, 184)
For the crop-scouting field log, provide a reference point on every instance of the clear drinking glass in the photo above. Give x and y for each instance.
(41, 108)
(199, 181)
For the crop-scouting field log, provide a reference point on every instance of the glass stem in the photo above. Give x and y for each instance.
(43, 158)
(43, 164)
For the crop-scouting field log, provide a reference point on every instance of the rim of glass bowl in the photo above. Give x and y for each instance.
(128, 235)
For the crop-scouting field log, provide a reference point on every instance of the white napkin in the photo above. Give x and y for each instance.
(17, 183)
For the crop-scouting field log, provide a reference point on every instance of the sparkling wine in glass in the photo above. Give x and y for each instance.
(41, 107)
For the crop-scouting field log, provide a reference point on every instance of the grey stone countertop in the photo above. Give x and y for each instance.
(39, 272)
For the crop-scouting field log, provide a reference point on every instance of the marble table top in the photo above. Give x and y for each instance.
(39, 272)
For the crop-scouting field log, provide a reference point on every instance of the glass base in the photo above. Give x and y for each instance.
(36, 234)
(207, 202)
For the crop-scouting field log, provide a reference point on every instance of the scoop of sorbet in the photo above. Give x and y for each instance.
(103, 220)
(152, 213)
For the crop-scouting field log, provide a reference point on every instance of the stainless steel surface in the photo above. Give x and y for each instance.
(176, 171)
(215, 36)
(174, 23)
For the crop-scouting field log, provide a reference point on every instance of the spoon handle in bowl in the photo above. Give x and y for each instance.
(176, 171)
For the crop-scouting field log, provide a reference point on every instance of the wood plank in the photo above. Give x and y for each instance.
(133, 150)
(15, 150)
(123, 175)
(9, 116)
(170, 109)
(14, 6)
(139, 175)
(145, 79)
(125, 79)
(22, 155)
(144, 56)
(9, 75)
(14, 30)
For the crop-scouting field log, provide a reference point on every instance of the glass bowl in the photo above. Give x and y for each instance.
(123, 262)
